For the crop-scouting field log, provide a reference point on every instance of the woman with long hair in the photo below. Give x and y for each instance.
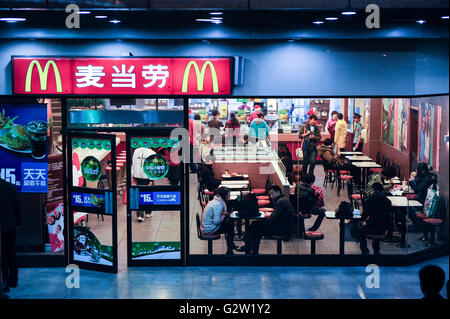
(232, 127)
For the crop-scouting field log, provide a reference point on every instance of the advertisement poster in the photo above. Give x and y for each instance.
(402, 125)
(429, 134)
(388, 122)
(55, 207)
(156, 250)
(87, 248)
(55, 224)
(23, 146)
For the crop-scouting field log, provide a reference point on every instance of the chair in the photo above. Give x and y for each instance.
(378, 159)
(262, 191)
(203, 236)
(354, 198)
(313, 236)
(432, 223)
(341, 179)
(376, 238)
(279, 239)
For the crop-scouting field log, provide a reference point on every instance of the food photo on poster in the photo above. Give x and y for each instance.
(23, 146)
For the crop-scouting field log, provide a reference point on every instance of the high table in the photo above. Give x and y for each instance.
(332, 215)
(365, 166)
(235, 215)
(355, 158)
(402, 202)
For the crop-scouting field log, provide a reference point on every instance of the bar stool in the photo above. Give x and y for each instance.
(342, 179)
(313, 236)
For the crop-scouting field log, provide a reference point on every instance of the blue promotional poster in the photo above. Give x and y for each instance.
(159, 198)
(23, 146)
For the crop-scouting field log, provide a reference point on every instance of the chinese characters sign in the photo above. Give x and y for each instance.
(132, 76)
(23, 148)
(159, 198)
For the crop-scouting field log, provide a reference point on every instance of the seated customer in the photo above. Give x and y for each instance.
(331, 160)
(386, 174)
(420, 183)
(377, 209)
(307, 199)
(214, 219)
(207, 178)
(286, 157)
(279, 223)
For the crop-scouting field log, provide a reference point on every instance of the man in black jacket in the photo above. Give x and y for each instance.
(307, 199)
(279, 223)
(377, 209)
(10, 219)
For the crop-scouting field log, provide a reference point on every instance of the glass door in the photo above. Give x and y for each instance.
(92, 200)
(154, 198)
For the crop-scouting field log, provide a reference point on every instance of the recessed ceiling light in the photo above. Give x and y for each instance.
(115, 21)
(318, 22)
(331, 18)
(348, 13)
(444, 17)
(421, 21)
(216, 13)
(12, 19)
(101, 17)
(84, 12)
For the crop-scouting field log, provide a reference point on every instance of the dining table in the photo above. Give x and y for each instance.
(364, 166)
(356, 158)
(332, 215)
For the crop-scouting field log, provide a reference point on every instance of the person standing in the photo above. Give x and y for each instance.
(198, 131)
(340, 136)
(193, 167)
(254, 115)
(331, 124)
(232, 128)
(259, 128)
(215, 124)
(310, 135)
(139, 176)
(357, 136)
(10, 219)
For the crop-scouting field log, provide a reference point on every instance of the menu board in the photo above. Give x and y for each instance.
(23, 146)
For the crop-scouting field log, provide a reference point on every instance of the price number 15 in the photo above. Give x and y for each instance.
(8, 174)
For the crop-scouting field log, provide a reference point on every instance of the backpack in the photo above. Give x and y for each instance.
(345, 210)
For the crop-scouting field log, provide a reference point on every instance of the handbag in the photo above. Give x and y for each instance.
(299, 151)
(345, 210)
(431, 201)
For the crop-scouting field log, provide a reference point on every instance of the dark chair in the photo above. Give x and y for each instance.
(376, 238)
(354, 198)
(378, 159)
(203, 236)
(279, 239)
(432, 223)
(342, 177)
(313, 236)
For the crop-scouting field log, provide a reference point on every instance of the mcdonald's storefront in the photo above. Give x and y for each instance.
(114, 194)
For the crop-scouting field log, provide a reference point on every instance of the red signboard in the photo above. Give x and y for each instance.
(124, 76)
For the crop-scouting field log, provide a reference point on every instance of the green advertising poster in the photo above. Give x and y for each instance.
(156, 250)
(91, 169)
(156, 166)
(88, 248)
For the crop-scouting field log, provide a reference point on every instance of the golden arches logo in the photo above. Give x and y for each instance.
(200, 75)
(43, 75)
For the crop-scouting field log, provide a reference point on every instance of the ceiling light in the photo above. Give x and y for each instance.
(115, 21)
(216, 13)
(348, 13)
(84, 12)
(444, 17)
(421, 21)
(12, 19)
(217, 18)
(318, 22)
(101, 17)
(205, 20)
(331, 18)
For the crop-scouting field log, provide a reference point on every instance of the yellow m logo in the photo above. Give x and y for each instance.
(43, 75)
(200, 76)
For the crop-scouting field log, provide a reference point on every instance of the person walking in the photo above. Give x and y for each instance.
(310, 135)
(139, 176)
(330, 126)
(340, 136)
(10, 220)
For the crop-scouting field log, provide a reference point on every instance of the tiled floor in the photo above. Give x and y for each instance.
(225, 283)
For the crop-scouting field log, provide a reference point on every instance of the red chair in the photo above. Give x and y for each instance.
(341, 182)
(431, 224)
(262, 203)
(265, 197)
(203, 236)
(313, 236)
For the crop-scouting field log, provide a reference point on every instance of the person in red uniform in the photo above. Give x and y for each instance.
(254, 115)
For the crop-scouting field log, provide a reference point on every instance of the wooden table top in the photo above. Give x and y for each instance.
(366, 164)
(402, 201)
(358, 158)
